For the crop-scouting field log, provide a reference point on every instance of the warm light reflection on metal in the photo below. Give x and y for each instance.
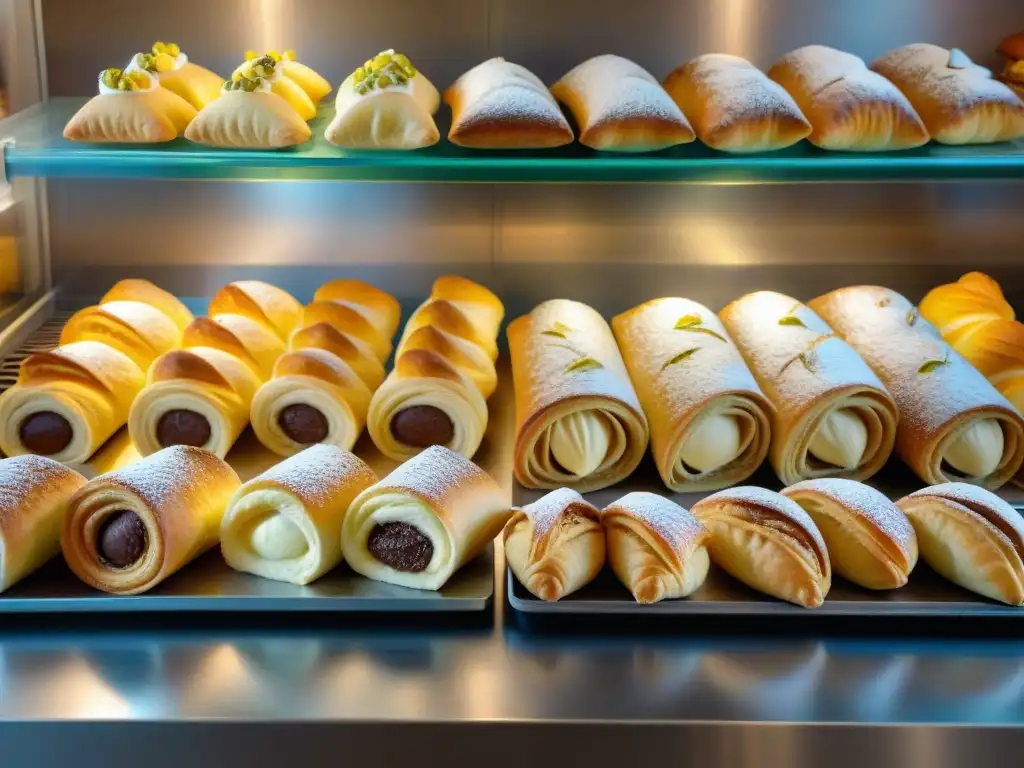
(221, 678)
(711, 241)
(732, 23)
(356, 685)
(274, 25)
(481, 687)
(779, 684)
(72, 690)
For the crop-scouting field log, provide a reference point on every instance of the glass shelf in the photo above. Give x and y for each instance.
(39, 150)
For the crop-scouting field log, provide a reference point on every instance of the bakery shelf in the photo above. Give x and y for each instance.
(37, 149)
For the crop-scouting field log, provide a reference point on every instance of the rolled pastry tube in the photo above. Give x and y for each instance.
(971, 537)
(578, 421)
(709, 419)
(353, 323)
(444, 373)
(768, 542)
(127, 531)
(68, 402)
(381, 309)
(34, 496)
(424, 521)
(138, 330)
(250, 341)
(286, 523)
(832, 415)
(262, 302)
(870, 541)
(656, 548)
(134, 289)
(556, 545)
(954, 425)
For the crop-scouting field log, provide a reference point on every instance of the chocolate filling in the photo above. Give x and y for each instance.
(122, 539)
(46, 433)
(303, 423)
(400, 546)
(421, 426)
(182, 427)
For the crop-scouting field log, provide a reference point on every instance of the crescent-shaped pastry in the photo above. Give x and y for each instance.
(315, 85)
(954, 425)
(768, 542)
(709, 420)
(870, 541)
(249, 116)
(131, 108)
(444, 373)
(958, 100)
(197, 397)
(656, 548)
(271, 73)
(320, 391)
(970, 536)
(267, 304)
(286, 523)
(127, 531)
(68, 402)
(501, 105)
(556, 545)
(385, 104)
(34, 496)
(734, 106)
(140, 331)
(252, 342)
(133, 289)
(578, 421)
(620, 107)
(424, 521)
(193, 83)
(832, 415)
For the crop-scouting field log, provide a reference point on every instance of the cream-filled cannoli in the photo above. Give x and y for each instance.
(286, 523)
(954, 425)
(578, 420)
(424, 521)
(832, 415)
(709, 419)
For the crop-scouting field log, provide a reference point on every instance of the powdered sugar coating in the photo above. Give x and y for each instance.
(436, 474)
(741, 91)
(978, 499)
(162, 477)
(866, 501)
(502, 92)
(114, 370)
(679, 529)
(773, 502)
(833, 77)
(551, 507)
(616, 89)
(24, 477)
(316, 474)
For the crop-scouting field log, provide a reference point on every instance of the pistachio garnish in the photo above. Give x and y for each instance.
(288, 55)
(882, 303)
(585, 363)
(911, 316)
(931, 365)
(125, 81)
(385, 69)
(559, 330)
(685, 355)
(247, 84)
(155, 62)
(806, 359)
(694, 324)
(168, 49)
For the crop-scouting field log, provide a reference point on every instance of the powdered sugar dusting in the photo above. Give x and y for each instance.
(671, 522)
(112, 368)
(437, 473)
(316, 474)
(168, 474)
(865, 500)
(22, 477)
(835, 77)
(549, 509)
(739, 91)
(984, 502)
(773, 502)
(500, 91)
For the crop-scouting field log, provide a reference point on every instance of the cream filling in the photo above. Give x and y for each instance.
(978, 449)
(278, 538)
(841, 439)
(580, 441)
(713, 443)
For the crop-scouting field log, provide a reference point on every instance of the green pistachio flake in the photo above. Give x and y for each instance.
(686, 355)
(931, 365)
(583, 364)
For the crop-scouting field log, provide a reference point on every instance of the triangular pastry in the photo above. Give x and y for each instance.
(273, 72)
(315, 85)
(385, 104)
(196, 85)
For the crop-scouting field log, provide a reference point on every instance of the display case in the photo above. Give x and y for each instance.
(252, 683)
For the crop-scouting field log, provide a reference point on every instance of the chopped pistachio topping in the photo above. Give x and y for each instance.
(264, 67)
(383, 70)
(155, 62)
(168, 49)
(242, 83)
(125, 81)
(288, 55)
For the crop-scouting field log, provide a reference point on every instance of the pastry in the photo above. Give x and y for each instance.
(620, 107)
(501, 105)
(958, 100)
(320, 390)
(251, 342)
(954, 425)
(444, 373)
(250, 115)
(832, 415)
(849, 106)
(34, 495)
(975, 318)
(270, 72)
(385, 104)
(267, 304)
(314, 84)
(133, 289)
(424, 521)
(139, 330)
(709, 420)
(768, 542)
(970, 536)
(127, 531)
(734, 107)
(196, 85)
(870, 541)
(286, 523)
(578, 420)
(69, 401)
(131, 108)
(656, 548)
(1013, 71)
(555, 545)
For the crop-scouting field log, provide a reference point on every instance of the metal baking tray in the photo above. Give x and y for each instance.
(209, 585)
(925, 595)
